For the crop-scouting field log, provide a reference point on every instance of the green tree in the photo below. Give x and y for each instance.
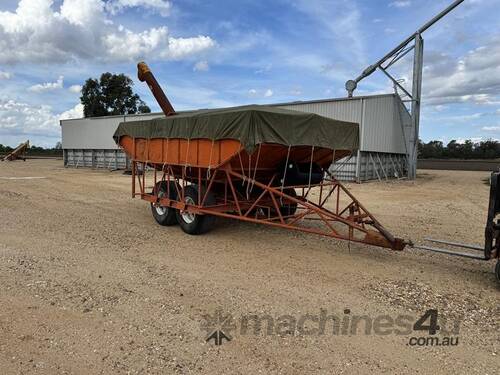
(468, 149)
(111, 95)
(454, 149)
(433, 149)
(489, 149)
(5, 149)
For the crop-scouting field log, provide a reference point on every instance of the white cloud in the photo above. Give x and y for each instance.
(78, 12)
(161, 7)
(459, 118)
(75, 112)
(81, 29)
(475, 77)
(201, 66)
(490, 128)
(153, 42)
(75, 89)
(400, 3)
(260, 93)
(24, 120)
(182, 47)
(5, 75)
(49, 86)
(461, 140)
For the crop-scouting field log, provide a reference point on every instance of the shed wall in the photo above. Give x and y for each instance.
(95, 133)
(383, 119)
(348, 110)
(382, 130)
(90, 133)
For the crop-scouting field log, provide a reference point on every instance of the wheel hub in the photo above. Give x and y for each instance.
(188, 217)
(160, 210)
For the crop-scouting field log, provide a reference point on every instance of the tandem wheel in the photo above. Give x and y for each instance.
(164, 215)
(194, 223)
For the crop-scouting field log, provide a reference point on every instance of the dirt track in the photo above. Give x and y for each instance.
(91, 284)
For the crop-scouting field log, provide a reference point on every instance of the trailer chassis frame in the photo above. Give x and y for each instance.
(347, 220)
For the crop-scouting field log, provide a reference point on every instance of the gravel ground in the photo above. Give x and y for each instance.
(91, 284)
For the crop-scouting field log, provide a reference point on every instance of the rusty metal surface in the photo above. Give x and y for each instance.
(18, 153)
(145, 75)
(347, 220)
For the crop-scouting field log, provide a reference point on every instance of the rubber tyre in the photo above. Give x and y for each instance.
(198, 224)
(497, 270)
(165, 215)
(289, 208)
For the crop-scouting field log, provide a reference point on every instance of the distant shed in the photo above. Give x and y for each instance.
(384, 134)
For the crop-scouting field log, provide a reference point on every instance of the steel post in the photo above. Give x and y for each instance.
(418, 62)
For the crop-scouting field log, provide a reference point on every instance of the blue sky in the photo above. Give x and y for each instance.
(224, 53)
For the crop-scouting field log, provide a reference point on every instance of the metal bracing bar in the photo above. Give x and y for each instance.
(366, 168)
(308, 204)
(402, 53)
(368, 71)
(458, 244)
(374, 166)
(381, 165)
(397, 161)
(403, 162)
(399, 168)
(449, 252)
(418, 63)
(393, 165)
(339, 165)
(375, 222)
(109, 161)
(395, 82)
(264, 192)
(78, 161)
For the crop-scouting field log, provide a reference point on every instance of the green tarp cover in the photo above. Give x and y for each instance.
(251, 125)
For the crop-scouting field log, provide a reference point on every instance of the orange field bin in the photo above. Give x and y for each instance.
(205, 153)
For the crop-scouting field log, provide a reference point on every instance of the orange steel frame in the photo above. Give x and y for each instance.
(348, 221)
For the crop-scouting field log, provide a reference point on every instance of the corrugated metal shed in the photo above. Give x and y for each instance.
(95, 132)
(379, 117)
